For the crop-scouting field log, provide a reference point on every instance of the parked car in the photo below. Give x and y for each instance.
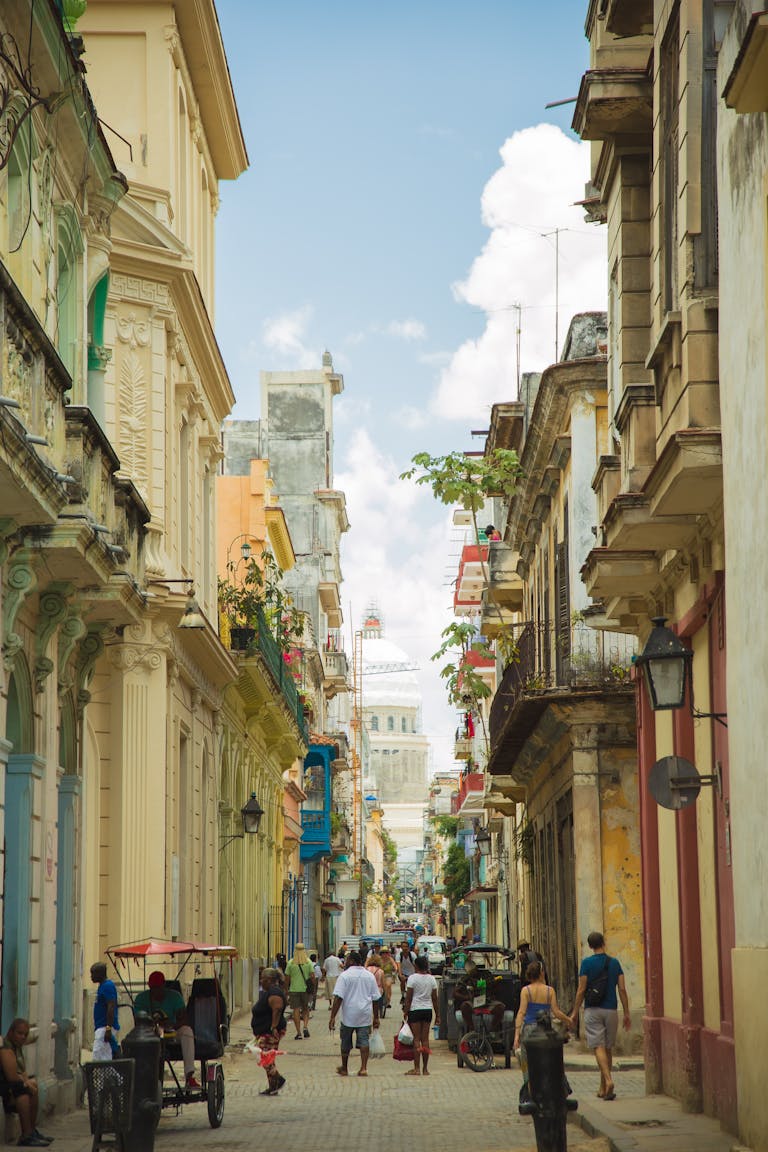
(435, 949)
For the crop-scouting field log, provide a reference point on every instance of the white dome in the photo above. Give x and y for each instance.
(396, 689)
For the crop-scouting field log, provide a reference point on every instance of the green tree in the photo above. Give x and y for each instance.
(456, 873)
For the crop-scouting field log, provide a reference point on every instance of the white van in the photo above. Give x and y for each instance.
(435, 949)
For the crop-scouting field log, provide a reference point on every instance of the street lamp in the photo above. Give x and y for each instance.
(251, 814)
(664, 662)
(666, 666)
(483, 841)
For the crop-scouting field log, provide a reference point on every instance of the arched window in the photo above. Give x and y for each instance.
(374, 723)
(69, 246)
(390, 723)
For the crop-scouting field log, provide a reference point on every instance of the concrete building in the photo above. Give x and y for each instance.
(295, 435)
(159, 388)
(563, 718)
(649, 104)
(742, 171)
(399, 750)
(264, 738)
(72, 558)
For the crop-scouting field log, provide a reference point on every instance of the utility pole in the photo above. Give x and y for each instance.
(556, 233)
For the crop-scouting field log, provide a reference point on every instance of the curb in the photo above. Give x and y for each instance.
(595, 1125)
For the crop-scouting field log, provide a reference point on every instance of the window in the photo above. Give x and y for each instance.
(374, 723)
(390, 723)
(403, 724)
(68, 248)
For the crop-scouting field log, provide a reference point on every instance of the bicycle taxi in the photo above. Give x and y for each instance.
(496, 981)
(197, 966)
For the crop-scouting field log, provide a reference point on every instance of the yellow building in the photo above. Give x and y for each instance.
(562, 722)
(649, 104)
(264, 739)
(73, 528)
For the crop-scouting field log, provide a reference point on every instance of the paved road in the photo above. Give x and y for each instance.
(319, 1110)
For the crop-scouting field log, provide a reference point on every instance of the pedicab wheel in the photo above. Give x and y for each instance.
(459, 1057)
(216, 1098)
(476, 1051)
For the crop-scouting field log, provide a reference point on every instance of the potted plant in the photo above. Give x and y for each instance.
(253, 594)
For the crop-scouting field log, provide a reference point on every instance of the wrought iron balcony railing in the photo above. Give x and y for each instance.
(550, 658)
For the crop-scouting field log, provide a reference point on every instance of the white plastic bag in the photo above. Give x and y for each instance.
(405, 1036)
(376, 1048)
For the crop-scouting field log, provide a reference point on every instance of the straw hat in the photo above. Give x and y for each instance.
(300, 955)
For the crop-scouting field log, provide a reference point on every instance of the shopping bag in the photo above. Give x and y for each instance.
(402, 1051)
(405, 1036)
(376, 1045)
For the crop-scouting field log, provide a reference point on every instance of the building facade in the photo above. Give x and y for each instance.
(649, 104)
(72, 560)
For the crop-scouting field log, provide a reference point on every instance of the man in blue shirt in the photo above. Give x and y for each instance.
(105, 1019)
(601, 1021)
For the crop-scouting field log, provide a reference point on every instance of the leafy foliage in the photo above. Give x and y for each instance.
(464, 683)
(456, 873)
(466, 480)
(446, 826)
(259, 588)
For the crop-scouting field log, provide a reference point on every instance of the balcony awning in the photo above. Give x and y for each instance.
(482, 892)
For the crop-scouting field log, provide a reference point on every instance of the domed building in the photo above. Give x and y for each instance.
(399, 750)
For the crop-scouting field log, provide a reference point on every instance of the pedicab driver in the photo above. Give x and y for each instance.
(166, 1007)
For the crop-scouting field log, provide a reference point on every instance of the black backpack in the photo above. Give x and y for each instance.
(597, 987)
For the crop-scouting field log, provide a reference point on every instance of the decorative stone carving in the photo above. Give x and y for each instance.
(72, 630)
(91, 647)
(20, 582)
(52, 609)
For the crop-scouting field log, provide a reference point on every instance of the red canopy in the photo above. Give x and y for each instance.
(154, 947)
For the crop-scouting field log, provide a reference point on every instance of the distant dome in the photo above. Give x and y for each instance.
(397, 689)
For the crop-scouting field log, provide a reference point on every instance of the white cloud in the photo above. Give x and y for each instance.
(412, 418)
(286, 335)
(543, 172)
(407, 329)
(395, 555)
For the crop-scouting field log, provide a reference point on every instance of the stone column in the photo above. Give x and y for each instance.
(586, 832)
(22, 771)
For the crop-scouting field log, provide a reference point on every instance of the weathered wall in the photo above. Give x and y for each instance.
(742, 193)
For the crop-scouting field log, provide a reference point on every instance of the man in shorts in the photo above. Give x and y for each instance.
(601, 1022)
(357, 995)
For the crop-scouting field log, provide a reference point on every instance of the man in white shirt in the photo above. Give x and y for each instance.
(333, 966)
(357, 995)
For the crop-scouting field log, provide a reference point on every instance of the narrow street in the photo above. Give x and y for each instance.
(321, 1112)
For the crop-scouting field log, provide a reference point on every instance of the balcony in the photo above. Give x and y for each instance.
(462, 747)
(316, 811)
(469, 796)
(336, 671)
(264, 645)
(614, 102)
(553, 665)
(471, 579)
(629, 17)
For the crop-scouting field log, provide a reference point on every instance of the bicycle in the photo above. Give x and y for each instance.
(475, 1048)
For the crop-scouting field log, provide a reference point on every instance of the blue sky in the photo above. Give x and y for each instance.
(393, 213)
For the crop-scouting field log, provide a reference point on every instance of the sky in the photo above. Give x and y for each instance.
(405, 185)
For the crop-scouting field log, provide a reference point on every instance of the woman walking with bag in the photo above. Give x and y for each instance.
(300, 975)
(535, 998)
(268, 1026)
(420, 1001)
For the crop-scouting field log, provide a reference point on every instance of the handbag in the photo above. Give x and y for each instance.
(405, 1036)
(376, 1045)
(597, 990)
(402, 1051)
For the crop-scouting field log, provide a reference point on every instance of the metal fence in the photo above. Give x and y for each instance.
(549, 657)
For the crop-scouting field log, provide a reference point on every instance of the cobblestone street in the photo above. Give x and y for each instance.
(320, 1110)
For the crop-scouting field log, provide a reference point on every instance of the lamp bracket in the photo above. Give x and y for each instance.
(234, 836)
(721, 717)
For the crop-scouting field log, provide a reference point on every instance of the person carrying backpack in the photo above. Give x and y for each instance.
(525, 957)
(601, 977)
(300, 974)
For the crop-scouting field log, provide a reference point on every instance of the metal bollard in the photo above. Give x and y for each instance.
(143, 1045)
(549, 1104)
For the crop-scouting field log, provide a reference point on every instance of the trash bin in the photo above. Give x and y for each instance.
(110, 1098)
(144, 1045)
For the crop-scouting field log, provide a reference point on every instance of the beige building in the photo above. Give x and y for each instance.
(649, 104)
(159, 389)
(73, 533)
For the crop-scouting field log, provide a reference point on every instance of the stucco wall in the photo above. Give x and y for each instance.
(742, 193)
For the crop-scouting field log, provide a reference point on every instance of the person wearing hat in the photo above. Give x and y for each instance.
(166, 1007)
(300, 976)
